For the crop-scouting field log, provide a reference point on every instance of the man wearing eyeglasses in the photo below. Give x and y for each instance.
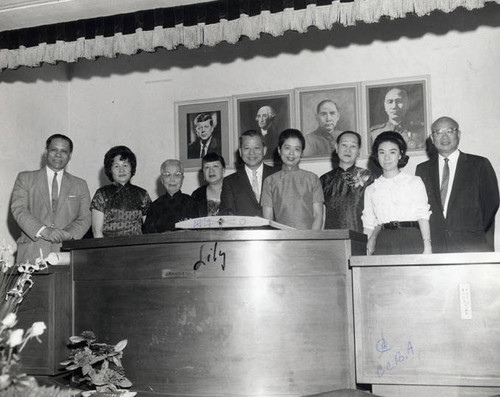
(463, 194)
(173, 206)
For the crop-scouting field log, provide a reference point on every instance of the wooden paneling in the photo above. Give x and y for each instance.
(258, 317)
(415, 324)
(434, 391)
(49, 301)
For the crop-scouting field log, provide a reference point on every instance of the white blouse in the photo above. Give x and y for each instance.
(401, 198)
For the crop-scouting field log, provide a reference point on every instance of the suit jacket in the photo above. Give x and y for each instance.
(31, 208)
(194, 148)
(470, 221)
(237, 197)
(271, 141)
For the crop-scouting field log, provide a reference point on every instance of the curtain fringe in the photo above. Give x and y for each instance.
(275, 24)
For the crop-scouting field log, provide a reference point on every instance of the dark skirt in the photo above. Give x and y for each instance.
(406, 240)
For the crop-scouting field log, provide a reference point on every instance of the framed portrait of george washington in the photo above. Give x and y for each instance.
(401, 105)
(202, 127)
(322, 113)
(270, 113)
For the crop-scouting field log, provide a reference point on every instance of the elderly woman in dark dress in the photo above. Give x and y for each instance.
(119, 209)
(208, 196)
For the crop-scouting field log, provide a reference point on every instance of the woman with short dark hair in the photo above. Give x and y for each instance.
(119, 209)
(396, 212)
(207, 196)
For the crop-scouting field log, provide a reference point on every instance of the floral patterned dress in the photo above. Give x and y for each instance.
(123, 207)
(344, 197)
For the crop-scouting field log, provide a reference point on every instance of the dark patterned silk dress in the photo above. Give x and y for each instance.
(123, 207)
(344, 191)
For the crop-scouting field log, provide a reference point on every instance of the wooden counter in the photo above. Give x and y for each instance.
(49, 300)
(212, 313)
(427, 320)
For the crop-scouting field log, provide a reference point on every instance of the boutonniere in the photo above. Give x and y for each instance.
(356, 179)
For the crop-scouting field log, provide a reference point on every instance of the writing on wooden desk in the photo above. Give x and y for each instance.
(392, 358)
(211, 254)
(202, 223)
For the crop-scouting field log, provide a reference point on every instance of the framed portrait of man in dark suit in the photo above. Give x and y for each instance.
(269, 113)
(322, 113)
(400, 105)
(202, 127)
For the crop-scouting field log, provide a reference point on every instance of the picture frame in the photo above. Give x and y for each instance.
(321, 131)
(401, 105)
(249, 108)
(209, 114)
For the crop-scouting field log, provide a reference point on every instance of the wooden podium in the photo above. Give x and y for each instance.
(212, 313)
(49, 301)
(428, 325)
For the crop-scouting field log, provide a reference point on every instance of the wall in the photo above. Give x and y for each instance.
(34, 104)
(130, 100)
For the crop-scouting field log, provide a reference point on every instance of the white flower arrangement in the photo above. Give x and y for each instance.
(12, 342)
(14, 285)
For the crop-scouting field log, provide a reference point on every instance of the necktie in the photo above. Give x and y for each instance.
(445, 180)
(203, 149)
(255, 185)
(55, 192)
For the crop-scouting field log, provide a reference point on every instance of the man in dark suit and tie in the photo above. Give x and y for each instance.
(50, 205)
(206, 141)
(241, 191)
(463, 193)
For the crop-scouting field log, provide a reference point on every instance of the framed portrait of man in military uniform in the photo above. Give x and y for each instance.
(400, 105)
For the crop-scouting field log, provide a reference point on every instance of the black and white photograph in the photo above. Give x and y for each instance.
(203, 127)
(268, 113)
(324, 112)
(262, 198)
(399, 105)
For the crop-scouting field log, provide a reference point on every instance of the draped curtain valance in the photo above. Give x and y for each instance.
(199, 24)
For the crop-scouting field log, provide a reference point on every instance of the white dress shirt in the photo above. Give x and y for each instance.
(50, 176)
(260, 173)
(452, 164)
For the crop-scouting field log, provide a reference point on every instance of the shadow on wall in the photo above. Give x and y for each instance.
(438, 23)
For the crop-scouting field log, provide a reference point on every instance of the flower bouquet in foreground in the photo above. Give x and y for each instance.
(15, 283)
(98, 365)
(13, 382)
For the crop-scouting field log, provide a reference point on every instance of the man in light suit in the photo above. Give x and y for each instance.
(50, 205)
(238, 197)
(463, 193)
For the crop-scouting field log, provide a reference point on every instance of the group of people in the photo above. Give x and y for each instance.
(448, 206)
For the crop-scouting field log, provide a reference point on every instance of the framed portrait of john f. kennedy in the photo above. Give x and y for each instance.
(400, 105)
(323, 113)
(269, 113)
(202, 127)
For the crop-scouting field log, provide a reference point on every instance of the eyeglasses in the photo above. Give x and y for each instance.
(176, 175)
(447, 131)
